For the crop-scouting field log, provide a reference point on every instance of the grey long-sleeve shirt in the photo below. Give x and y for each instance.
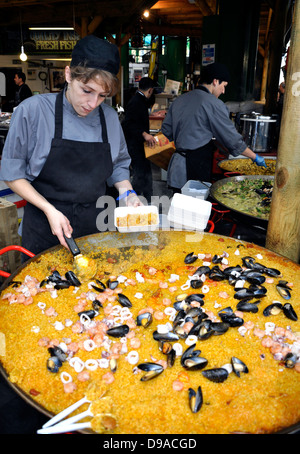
(32, 129)
(193, 119)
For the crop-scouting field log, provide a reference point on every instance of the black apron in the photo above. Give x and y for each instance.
(72, 179)
(199, 161)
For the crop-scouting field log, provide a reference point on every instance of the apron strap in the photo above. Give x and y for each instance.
(59, 118)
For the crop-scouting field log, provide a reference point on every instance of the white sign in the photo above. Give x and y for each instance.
(208, 54)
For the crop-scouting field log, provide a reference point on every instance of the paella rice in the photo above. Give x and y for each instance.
(130, 336)
(246, 166)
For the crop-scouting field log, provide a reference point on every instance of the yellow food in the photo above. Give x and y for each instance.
(248, 167)
(154, 276)
(138, 219)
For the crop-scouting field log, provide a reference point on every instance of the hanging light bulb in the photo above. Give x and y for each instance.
(23, 56)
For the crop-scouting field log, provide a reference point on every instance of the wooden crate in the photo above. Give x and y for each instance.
(161, 154)
(9, 235)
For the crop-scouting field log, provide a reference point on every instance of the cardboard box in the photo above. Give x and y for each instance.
(161, 154)
(9, 236)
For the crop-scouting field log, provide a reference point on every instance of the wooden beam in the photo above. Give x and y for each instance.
(283, 234)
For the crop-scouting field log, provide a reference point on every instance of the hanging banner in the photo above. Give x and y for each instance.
(58, 41)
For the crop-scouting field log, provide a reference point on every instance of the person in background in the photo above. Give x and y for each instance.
(136, 130)
(23, 91)
(63, 148)
(193, 120)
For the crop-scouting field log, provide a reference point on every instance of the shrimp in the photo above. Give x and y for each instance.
(177, 385)
(135, 342)
(108, 378)
(69, 387)
(84, 376)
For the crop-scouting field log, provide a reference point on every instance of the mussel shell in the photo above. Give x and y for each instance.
(118, 331)
(203, 269)
(217, 375)
(225, 311)
(238, 366)
(258, 290)
(272, 309)
(217, 259)
(219, 327)
(243, 293)
(195, 363)
(169, 336)
(90, 313)
(54, 277)
(290, 360)
(205, 329)
(112, 284)
(124, 301)
(255, 277)
(144, 319)
(171, 358)
(147, 367)
(194, 312)
(232, 320)
(60, 285)
(97, 305)
(72, 278)
(58, 352)
(289, 312)
(195, 399)
(152, 370)
(165, 347)
(245, 306)
(284, 292)
(216, 274)
(54, 364)
(190, 258)
(198, 297)
(196, 283)
(272, 272)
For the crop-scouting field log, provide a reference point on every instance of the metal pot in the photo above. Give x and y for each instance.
(258, 131)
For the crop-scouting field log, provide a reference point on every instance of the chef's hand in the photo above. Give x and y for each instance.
(132, 200)
(260, 161)
(59, 224)
(151, 142)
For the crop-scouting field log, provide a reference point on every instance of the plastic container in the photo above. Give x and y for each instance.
(189, 213)
(195, 188)
(136, 219)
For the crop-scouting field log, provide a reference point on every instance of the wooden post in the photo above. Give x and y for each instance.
(283, 234)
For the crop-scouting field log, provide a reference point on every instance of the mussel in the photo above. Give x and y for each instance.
(203, 269)
(190, 352)
(290, 360)
(205, 329)
(238, 366)
(171, 356)
(254, 277)
(196, 283)
(272, 309)
(169, 336)
(283, 291)
(243, 293)
(217, 375)
(289, 312)
(90, 313)
(195, 399)
(219, 328)
(190, 258)
(152, 370)
(118, 331)
(54, 364)
(195, 363)
(197, 297)
(124, 301)
(112, 284)
(57, 351)
(144, 319)
(62, 285)
(216, 274)
(228, 316)
(245, 306)
(72, 278)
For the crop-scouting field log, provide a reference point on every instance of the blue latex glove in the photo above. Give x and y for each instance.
(260, 161)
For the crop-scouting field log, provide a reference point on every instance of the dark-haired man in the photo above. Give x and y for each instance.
(193, 120)
(23, 91)
(136, 131)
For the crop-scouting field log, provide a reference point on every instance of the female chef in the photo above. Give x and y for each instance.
(62, 149)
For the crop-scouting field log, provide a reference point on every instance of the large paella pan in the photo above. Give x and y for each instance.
(245, 166)
(179, 332)
(247, 196)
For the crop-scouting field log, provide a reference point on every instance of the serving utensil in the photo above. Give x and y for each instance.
(84, 266)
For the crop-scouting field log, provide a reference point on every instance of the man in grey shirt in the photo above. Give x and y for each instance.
(193, 120)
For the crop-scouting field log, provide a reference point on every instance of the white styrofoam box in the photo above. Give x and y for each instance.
(189, 212)
(7, 194)
(196, 188)
(132, 213)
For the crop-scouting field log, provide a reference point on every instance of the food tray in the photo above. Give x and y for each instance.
(136, 219)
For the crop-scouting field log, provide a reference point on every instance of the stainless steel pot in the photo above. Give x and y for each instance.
(258, 131)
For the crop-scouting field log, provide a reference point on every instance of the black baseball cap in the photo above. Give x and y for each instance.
(96, 53)
(215, 71)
